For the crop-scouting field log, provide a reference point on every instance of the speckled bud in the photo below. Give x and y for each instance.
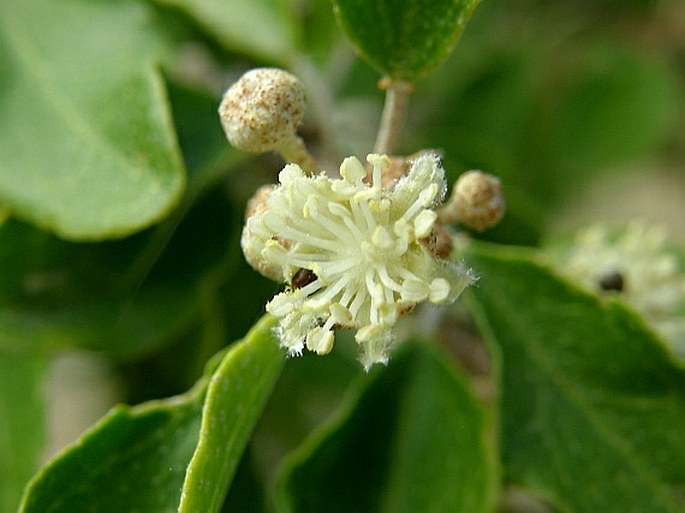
(262, 111)
(477, 200)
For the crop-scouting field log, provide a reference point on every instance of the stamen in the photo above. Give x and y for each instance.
(312, 287)
(368, 216)
(309, 239)
(341, 266)
(357, 303)
(387, 280)
(350, 251)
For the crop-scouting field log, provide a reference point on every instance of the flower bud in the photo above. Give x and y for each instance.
(262, 111)
(477, 201)
(253, 250)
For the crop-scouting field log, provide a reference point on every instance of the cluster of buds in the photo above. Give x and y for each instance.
(357, 251)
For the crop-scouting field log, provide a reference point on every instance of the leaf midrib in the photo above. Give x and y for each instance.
(546, 367)
(44, 80)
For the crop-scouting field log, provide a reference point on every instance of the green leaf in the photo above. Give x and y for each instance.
(249, 372)
(404, 39)
(413, 439)
(133, 460)
(136, 458)
(88, 149)
(262, 29)
(22, 425)
(593, 408)
(131, 296)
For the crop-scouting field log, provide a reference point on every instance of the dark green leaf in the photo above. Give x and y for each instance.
(413, 439)
(404, 39)
(88, 150)
(545, 113)
(247, 493)
(133, 460)
(22, 425)
(136, 459)
(56, 294)
(593, 408)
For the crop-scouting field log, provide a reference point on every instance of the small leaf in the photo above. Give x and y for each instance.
(404, 39)
(88, 150)
(414, 439)
(237, 393)
(136, 458)
(593, 408)
(22, 425)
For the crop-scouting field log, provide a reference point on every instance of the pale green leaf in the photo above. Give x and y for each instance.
(413, 438)
(404, 39)
(237, 393)
(22, 425)
(593, 407)
(88, 149)
(262, 29)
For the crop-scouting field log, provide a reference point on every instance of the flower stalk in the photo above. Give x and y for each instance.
(393, 116)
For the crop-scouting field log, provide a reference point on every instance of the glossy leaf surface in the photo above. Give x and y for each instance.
(262, 29)
(404, 39)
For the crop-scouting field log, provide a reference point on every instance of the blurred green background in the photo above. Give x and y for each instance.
(577, 105)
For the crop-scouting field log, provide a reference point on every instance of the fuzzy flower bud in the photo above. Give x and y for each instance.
(262, 111)
(477, 201)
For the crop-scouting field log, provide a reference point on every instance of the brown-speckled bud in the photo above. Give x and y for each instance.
(477, 201)
(262, 111)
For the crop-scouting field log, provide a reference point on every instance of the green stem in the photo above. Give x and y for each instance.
(295, 151)
(392, 119)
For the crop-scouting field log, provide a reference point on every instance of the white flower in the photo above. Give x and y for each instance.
(359, 246)
(637, 265)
